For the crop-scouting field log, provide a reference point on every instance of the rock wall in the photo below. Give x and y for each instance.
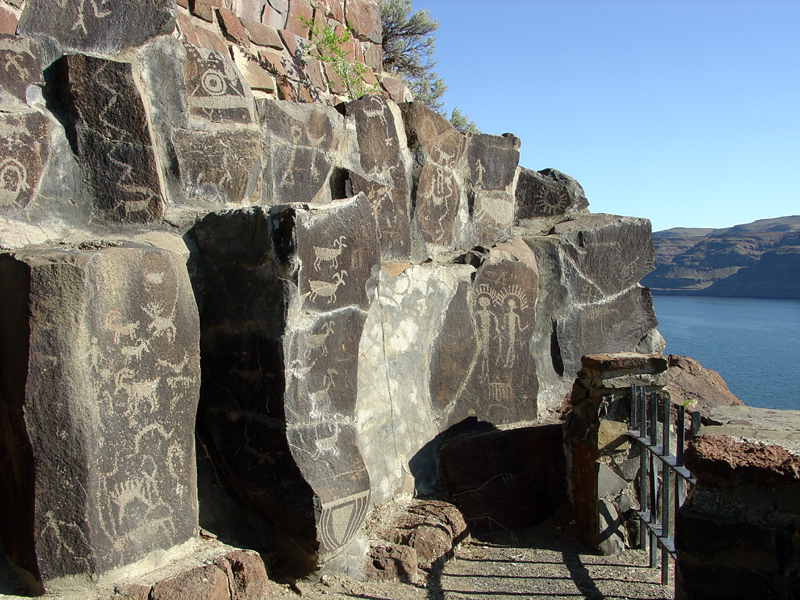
(367, 282)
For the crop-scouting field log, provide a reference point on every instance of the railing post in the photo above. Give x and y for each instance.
(653, 411)
(644, 479)
(665, 492)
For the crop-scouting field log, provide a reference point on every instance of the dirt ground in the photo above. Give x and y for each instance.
(550, 560)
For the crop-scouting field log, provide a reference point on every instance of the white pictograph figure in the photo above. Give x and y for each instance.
(160, 325)
(487, 324)
(330, 255)
(100, 12)
(512, 299)
(327, 289)
(318, 340)
(321, 398)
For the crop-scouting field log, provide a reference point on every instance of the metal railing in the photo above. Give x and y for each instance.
(658, 464)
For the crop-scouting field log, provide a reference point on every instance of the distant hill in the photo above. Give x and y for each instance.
(758, 260)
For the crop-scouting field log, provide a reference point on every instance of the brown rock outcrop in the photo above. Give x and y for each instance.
(688, 381)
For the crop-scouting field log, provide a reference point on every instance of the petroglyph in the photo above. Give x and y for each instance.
(214, 90)
(99, 12)
(327, 289)
(113, 321)
(13, 181)
(327, 446)
(318, 341)
(513, 299)
(160, 325)
(330, 255)
(487, 322)
(321, 400)
(24, 149)
(341, 519)
(113, 131)
(134, 351)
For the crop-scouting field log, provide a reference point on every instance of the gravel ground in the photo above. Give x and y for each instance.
(547, 561)
(550, 560)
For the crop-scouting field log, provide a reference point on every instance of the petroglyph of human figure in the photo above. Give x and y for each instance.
(513, 299)
(487, 326)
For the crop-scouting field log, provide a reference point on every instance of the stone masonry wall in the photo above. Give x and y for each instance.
(356, 281)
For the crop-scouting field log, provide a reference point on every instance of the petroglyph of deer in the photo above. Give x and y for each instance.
(160, 325)
(321, 397)
(330, 255)
(318, 340)
(327, 289)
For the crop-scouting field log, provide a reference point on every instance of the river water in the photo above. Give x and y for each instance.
(753, 343)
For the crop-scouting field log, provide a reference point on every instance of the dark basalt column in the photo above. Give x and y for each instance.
(283, 300)
(115, 149)
(100, 381)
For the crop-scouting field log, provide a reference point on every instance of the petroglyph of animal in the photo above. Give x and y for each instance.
(330, 255)
(134, 351)
(318, 340)
(327, 289)
(160, 325)
(321, 397)
(327, 445)
(114, 323)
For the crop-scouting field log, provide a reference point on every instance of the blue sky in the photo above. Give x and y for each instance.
(684, 112)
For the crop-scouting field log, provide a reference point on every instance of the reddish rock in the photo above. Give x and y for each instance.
(295, 44)
(337, 87)
(187, 28)
(274, 62)
(445, 513)
(688, 380)
(273, 18)
(203, 9)
(365, 20)
(330, 8)
(723, 461)
(232, 27)
(246, 574)
(349, 46)
(624, 361)
(211, 41)
(313, 69)
(8, 22)
(431, 528)
(202, 583)
(133, 591)
(286, 89)
(395, 88)
(298, 13)
(263, 35)
(184, 4)
(392, 562)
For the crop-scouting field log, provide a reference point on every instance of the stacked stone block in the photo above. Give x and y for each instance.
(100, 363)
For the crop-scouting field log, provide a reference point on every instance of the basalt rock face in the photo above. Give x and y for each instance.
(103, 409)
(280, 358)
(367, 280)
